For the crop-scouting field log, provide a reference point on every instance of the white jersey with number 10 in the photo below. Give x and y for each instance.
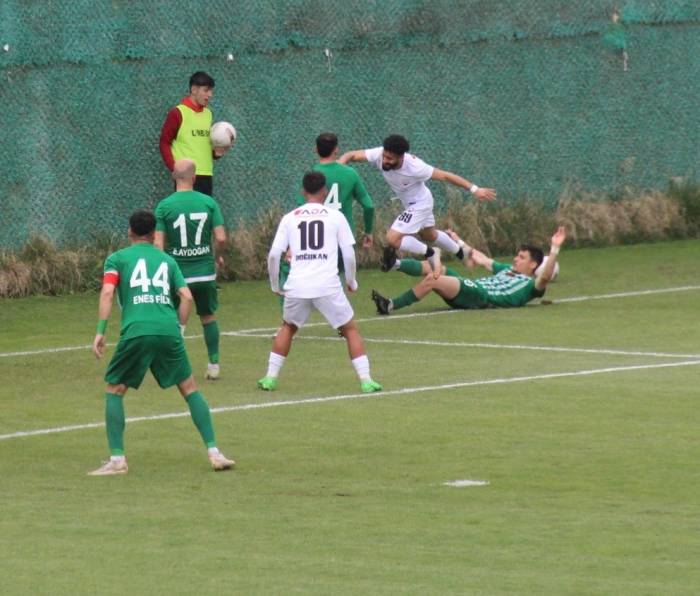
(313, 233)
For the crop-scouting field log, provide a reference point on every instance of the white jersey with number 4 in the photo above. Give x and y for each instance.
(313, 233)
(408, 182)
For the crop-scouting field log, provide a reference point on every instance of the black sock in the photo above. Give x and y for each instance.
(460, 253)
(429, 253)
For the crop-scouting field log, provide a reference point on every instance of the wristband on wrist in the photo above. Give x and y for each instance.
(554, 250)
(101, 326)
(473, 188)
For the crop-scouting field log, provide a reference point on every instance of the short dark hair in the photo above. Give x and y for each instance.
(536, 253)
(202, 79)
(396, 144)
(142, 222)
(326, 142)
(313, 182)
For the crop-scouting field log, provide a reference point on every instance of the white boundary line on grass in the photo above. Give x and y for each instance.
(253, 332)
(332, 398)
(462, 344)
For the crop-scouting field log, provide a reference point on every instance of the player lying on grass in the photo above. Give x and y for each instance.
(314, 234)
(143, 276)
(510, 285)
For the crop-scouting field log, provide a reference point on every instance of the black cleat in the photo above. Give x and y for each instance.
(388, 259)
(383, 304)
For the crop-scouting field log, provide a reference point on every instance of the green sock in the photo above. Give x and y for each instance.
(201, 416)
(211, 338)
(411, 267)
(114, 419)
(406, 299)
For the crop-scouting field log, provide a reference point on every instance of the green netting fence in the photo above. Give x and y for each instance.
(527, 96)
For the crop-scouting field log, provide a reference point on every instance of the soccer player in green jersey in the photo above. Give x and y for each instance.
(145, 280)
(509, 286)
(344, 188)
(344, 185)
(185, 224)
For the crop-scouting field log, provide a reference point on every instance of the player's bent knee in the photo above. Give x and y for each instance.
(119, 389)
(393, 238)
(187, 386)
(348, 327)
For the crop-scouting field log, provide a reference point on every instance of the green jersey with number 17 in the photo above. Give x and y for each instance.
(344, 184)
(187, 218)
(146, 279)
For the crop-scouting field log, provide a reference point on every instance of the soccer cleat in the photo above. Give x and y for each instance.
(435, 263)
(370, 386)
(267, 384)
(388, 259)
(212, 371)
(220, 462)
(383, 304)
(111, 467)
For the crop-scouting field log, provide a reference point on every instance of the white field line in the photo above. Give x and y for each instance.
(332, 398)
(259, 330)
(628, 294)
(520, 347)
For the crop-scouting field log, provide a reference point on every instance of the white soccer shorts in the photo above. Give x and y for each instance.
(335, 308)
(412, 222)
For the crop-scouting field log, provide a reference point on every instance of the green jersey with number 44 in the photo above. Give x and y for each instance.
(344, 185)
(146, 279)
(187, 218)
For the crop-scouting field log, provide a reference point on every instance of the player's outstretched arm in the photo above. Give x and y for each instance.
(357, 155)
(472, 256)
(103, 311)
(482, 194)
(546, 274)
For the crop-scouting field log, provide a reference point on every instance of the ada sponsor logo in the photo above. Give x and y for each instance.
(320, 210)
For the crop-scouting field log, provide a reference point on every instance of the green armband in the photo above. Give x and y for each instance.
(101, 326)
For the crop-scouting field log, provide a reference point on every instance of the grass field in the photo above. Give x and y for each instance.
(590, 448)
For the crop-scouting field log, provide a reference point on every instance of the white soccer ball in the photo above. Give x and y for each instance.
(222, 134)
(555, 273)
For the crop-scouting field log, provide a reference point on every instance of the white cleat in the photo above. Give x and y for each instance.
(212, 372)
(111, 467)
(435, 263)
(220, 462)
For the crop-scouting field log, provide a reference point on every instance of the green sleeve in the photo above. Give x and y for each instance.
(111, 263)
(160, 219)
(498, 266)
(363, 198)
(217, 219)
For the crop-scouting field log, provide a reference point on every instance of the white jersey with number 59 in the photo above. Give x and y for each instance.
(313, 233)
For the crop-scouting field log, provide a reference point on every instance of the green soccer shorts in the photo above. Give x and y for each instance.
(165, 355)
(469, 296)
(206, 297)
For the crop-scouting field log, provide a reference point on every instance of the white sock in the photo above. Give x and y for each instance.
(397, 264)
(213, 451)
(444, 242)
(413, 245)
(361, 364)
(117, 458)
(274, 365)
